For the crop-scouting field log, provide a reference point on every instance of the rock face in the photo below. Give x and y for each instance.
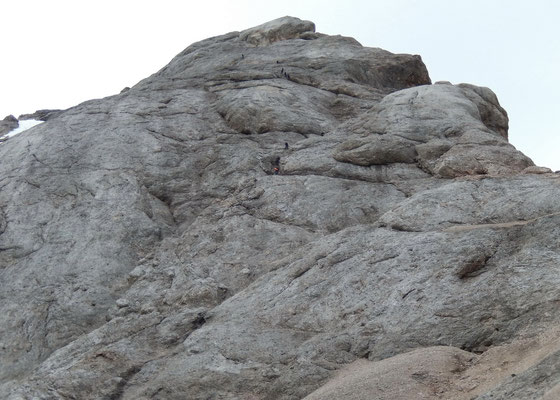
(149, 251)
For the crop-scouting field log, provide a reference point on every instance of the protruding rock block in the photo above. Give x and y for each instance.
(376, 150)
(454, 130)
(279, 29)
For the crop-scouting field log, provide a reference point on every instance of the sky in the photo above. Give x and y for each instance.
(58, 53)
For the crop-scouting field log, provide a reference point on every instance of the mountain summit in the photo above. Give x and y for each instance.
(276, 212)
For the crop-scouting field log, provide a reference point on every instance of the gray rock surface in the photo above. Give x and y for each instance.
(280, 29)
(148, 250)
(9, 123)
(41, 115)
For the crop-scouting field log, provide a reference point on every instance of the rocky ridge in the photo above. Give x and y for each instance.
(271, 206)
(41, 115)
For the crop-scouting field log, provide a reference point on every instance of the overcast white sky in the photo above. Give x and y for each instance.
(57, 53)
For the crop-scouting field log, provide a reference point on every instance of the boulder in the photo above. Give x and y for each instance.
(9, 123)
(284, 28)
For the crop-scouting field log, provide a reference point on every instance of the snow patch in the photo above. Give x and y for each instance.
(23, 126)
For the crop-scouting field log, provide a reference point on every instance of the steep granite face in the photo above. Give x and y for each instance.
(271, 205)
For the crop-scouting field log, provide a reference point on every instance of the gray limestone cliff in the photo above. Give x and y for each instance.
(269, 208)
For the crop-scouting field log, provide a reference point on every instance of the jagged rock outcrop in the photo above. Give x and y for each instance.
(448, 130)
(149, 251)
(41, 115)
(9, 123)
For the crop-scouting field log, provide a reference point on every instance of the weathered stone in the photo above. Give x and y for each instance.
(451, 140)
(280, 29)
(121, 303)
(149, 248)
(41, 115)
(491, 113)
(8, 124)
(376, 150)
(536, 170)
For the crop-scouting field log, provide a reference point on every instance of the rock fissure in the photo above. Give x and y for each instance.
(498, 225)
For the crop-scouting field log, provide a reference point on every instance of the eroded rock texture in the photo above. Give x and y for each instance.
(148, 249)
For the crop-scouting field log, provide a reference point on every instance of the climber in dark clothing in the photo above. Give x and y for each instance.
(286, 147)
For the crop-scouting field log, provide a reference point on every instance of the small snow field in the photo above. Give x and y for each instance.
(23, 126)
